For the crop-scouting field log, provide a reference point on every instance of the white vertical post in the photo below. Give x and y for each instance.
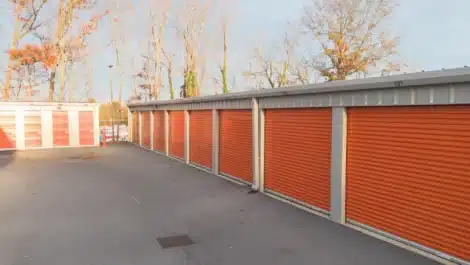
(74, 131)
(129, 126)
(96, 124)
(46, 129)
(215, 141)
(187, 122)
(262, 115)
(140, 128)
(255, 146)
(338, 165)
(20, 133)
(151, 131)
(167, 132)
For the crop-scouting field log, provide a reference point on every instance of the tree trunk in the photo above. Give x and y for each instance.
(170, 80)
(62, 77)
(58, 36)
(225, 65)
(52, 85)
(90, 81)
(14, 45)
(7, 89)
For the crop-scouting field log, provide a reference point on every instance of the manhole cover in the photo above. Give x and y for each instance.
(175, 241)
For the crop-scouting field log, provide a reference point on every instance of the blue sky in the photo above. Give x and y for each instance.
(433, 35)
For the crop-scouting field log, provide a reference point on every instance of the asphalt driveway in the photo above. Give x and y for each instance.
(108, 207)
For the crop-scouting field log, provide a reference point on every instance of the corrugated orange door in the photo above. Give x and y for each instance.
(86, 125)
(177, 134)
(159, 131)
(146, 129)
(60, 128)
(200, 138)
(297, 154)
(32, 129)
(135, 127)
(235, 144)
(7, 129)
(408, 174)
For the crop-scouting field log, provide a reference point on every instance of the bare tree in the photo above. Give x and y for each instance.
(168, 64)
(65, 18)
(159, 23)
(224, 67)
(350, 36)
(190, 29)
(276, 72)
(89, 84)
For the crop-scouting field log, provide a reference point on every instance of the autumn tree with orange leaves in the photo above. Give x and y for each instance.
(48, 55)
(351, 38)
(65, 18)
(26, 15)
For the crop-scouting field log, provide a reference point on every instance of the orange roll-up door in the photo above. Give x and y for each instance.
(60, 128)
(135, 127)
(7, 130)
(146, 129)
(159, 131)
(200, 138)
(235, 150)
(86, 126)
(297, 154)
(177, 134)
(408, 174)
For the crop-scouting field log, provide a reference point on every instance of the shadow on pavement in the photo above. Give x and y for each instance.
(53, 154)
(6, 157)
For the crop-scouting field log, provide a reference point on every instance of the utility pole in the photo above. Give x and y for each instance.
(111, 106)
(120, 92)
(117, 37)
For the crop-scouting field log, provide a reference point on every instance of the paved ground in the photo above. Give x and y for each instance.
(109, 209)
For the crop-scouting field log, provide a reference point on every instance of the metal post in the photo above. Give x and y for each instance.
(186, 136)
(261, 149)
(129, 126)
(140, 128)
(167, 132)
(338, 165)
(255, 147)
(111, 105)
(20, 134)
(74, 131)
(46, 129)
(151, 131)
(215, 141)
(96, 124)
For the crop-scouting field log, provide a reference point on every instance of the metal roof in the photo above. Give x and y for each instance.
(45, 103)
(448, 76)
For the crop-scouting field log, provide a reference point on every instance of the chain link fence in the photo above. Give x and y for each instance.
(114, 131)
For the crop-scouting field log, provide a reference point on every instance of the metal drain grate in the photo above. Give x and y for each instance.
(175, 241)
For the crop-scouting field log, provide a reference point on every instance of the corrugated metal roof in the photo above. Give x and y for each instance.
(449, 76)
(45, 103)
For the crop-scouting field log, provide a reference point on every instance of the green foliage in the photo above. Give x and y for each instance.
(190, 83)
(224, 79)
(113, 112)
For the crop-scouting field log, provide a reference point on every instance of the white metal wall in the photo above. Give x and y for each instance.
(46, 110)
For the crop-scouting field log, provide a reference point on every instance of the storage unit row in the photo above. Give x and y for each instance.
(35, 125)
(396, 169)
